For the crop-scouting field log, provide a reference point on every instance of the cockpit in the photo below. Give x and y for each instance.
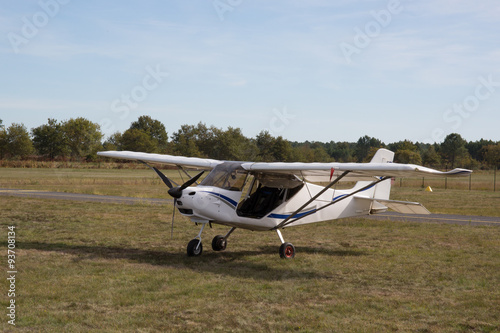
(261, 192)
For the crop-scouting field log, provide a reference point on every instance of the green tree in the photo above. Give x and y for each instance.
(407, 156)
(265, 144)
(154, 129)
(136, 140)
(273, 149)
(476, 148)
(83, 137)
(16, 141)
(341, 151)
(431, 158)
(491, 155)
(364, 145)
(233, 145)
(3, 142)
(403, 145)
(49, 139)
(185, 141)
(453, 149)
(114, 142)
(282, 150)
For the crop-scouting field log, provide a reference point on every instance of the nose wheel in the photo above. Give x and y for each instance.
(194, 248)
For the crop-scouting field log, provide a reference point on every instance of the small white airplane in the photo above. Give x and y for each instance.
(272, 196)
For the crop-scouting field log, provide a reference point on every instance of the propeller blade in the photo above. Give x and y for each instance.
(191, 181)
(164, 178)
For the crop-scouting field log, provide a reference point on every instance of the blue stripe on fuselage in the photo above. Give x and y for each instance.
(284, 216)
(223, 197)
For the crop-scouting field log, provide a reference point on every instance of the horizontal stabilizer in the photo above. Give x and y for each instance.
(404, 207)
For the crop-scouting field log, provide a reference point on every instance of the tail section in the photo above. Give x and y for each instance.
(378, 196)
(383, 189)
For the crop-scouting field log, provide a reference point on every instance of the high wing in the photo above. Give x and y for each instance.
(313, 172)
(180, 161)
(324, 172)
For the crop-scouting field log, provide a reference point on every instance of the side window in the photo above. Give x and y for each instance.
(236, 181)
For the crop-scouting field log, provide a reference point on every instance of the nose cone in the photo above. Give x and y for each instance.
(175, 192)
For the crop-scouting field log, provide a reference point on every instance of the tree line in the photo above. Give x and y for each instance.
(81, 139)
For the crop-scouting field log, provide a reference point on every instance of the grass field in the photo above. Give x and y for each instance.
(89, 267)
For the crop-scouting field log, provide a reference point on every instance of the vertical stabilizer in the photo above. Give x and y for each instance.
(383, 189)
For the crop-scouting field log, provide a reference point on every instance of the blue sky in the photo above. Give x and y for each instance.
(312, 70)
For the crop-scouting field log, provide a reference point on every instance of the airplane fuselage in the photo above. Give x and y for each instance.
(204, 204)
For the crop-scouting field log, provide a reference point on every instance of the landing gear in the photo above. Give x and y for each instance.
(194, 248)
(219, 243)
(287, 250)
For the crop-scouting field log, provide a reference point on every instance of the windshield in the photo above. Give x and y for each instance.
(228, 176)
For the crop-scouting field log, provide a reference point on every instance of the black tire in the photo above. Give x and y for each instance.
(219, 243)
(287, 251)
(193, 250)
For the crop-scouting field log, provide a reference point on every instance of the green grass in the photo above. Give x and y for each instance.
(126, 182)
(92, 267)
(462, 202)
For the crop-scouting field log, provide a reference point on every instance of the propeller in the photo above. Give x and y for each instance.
(175, 192)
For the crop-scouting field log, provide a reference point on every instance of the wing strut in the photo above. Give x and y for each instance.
(287, 220)
(185, 172)
(284, 222)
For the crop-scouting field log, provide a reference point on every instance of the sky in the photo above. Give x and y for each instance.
(316, 70)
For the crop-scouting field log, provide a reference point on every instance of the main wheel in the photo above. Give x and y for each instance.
(193, 249)
(219, 243)
(287, 251)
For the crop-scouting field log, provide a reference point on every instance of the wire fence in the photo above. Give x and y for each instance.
(482, 180)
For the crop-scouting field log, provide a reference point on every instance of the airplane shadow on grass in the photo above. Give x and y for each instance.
(230, 263)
